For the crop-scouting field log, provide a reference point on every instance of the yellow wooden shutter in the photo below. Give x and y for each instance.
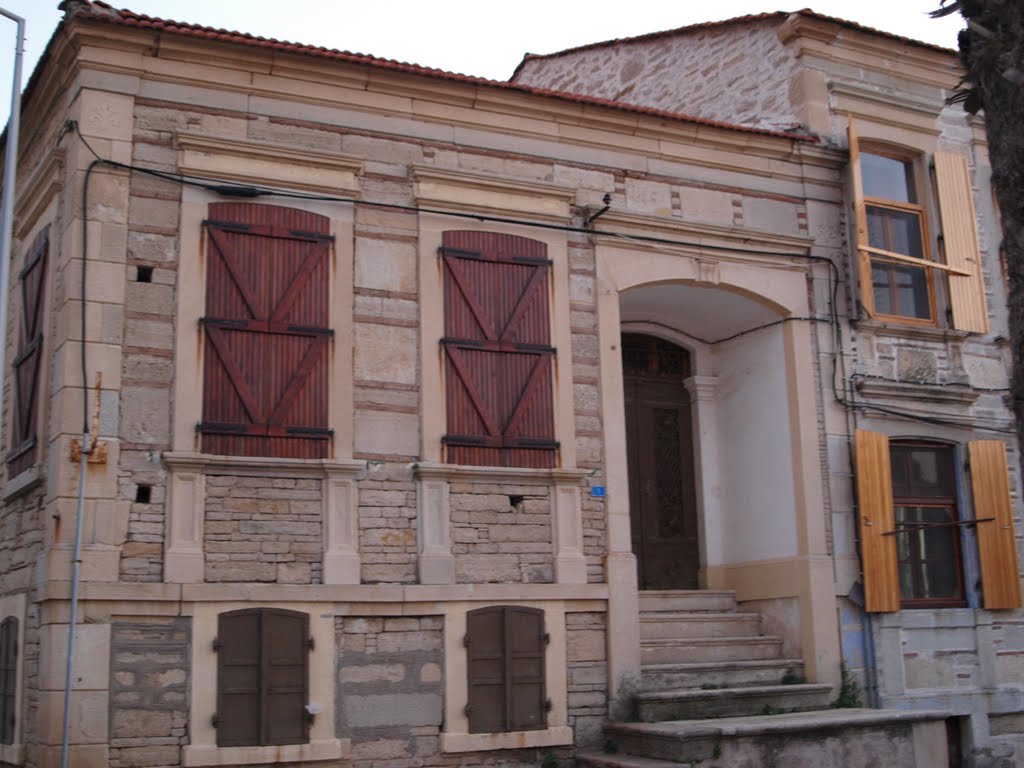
(997, 544)
(960, 235)
(860, 217)
(877, 523)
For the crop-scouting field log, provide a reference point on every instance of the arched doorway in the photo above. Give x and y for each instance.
(659, 445)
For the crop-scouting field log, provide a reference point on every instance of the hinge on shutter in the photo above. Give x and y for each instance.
(216, 644)
(466, 641)
(215, 720)
(310, 643)
(547, 705)
(546, 638)
(468, 709)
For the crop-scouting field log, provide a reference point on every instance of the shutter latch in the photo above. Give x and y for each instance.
(216, 644)
(310, 643)
(547, 705)
(468, 709)
(215, 720)
(546, 638)
(466, 641)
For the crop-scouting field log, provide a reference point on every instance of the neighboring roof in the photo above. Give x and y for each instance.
(98, 11)
(757, 17)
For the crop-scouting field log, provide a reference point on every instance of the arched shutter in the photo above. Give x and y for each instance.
(498, 353)
(876, 522)
(265, 383)
(8, 678)
(27, 364)
(997, 543)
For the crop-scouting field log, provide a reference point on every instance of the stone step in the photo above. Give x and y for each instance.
(605, 760)
(710, 649)
(852, 738)
(715, 600)
(724, 674)
(656, 706)
(667, 625)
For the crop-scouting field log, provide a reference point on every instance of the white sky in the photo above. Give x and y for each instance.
(475, 37)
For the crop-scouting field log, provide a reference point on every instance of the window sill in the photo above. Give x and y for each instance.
(324, 749)
(557, 736)
(910, 331)
(261, 466)
(12, 753)
(20, 484)
(519, 475)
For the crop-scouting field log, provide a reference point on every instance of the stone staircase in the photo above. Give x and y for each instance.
(716, 692)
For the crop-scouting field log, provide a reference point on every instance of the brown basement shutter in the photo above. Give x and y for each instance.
(497, 349)
(8, 678)
(485, 650)
(960, 236)
(506, 646)
(238, 678)
(265, 377)
(877, 522)
(285, 671)
(997, 544)
(526, 643)
(27, 365)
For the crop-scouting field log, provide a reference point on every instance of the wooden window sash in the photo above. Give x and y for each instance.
(997, 542)
(866, 252)
(876, 522)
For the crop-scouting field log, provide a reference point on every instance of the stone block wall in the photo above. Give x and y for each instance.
(390, 689)
(263, 529)
(588, 676)
(501, 533)
(22, 531)
(149, 692)
(738, 74)
(387, 524)
(147, 344)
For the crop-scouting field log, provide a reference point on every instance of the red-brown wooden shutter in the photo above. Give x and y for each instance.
(285, 676)
(498, 353)
(506, 646)
(27, 365)
(8, 678)
(238, 678)
(265, 385)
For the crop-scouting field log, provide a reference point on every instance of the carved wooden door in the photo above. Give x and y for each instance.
(662, 496)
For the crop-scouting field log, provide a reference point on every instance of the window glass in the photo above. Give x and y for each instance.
(900, 289)
(927, 534)
(887, 177)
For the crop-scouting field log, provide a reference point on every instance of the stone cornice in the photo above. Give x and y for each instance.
(922, 393)
(259, 466)
(478, 193)
(263, 162)
(38, 192)
(698, 234)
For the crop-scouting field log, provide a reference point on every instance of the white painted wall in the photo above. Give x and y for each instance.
(757, 499)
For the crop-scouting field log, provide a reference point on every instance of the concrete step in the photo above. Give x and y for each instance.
(656, 706)
(715, 600)
(710, 649)
(852, 738)
(723, 674)
(665, 625)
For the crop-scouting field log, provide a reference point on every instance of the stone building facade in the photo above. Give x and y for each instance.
(375, 355)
